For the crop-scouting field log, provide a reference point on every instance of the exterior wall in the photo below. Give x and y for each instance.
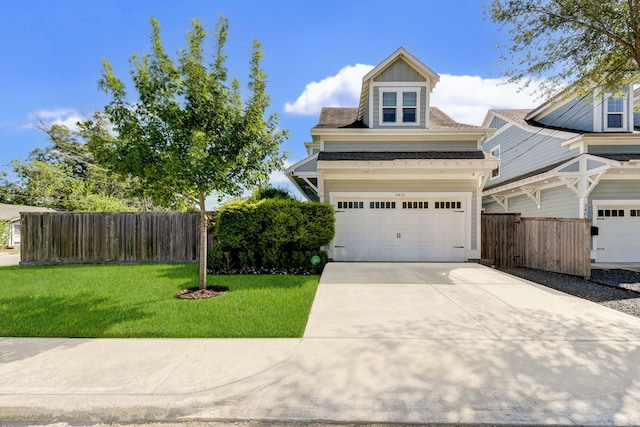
(497, 123)
(614, 149)
(576, 114)
(556, 202)
(522, 151)
(610, 189)
(398, 146)
(400, 71)
(310, 166)
(332, 186)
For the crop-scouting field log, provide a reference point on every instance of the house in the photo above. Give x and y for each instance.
(572, 157)
(404, 178)
(11, 213)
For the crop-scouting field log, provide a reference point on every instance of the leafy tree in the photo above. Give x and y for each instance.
(585, 43)
(189, 133)
(5, 231)
(63, 176)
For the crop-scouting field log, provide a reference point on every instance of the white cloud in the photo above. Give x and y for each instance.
(468, 98)
(341, 90)
(278, 178)
(465, 98)
(60, 116)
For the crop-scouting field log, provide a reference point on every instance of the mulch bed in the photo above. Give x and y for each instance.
(197, 293)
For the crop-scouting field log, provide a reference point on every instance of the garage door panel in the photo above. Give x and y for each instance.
(400, 233)
(618, 234)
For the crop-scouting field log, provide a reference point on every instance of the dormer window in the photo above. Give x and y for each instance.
(399, 106)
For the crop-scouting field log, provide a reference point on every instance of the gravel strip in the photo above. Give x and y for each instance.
(616, 289)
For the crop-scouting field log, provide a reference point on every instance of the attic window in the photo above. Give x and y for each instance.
(399, 106)
(615, 111)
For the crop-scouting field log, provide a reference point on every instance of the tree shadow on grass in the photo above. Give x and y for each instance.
(81, 315)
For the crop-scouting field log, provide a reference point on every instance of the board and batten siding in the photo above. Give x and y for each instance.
(400, 71)
(341, 146)
(576, 114)
(522, 151)
(443, 186)
(556, 202)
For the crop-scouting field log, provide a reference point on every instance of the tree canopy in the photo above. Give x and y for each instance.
(188, 132)
(583, 43)
(63, 175)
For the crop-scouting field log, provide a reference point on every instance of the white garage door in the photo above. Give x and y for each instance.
(618, 234)
(388, 229)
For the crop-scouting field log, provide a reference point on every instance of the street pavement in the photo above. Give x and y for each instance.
(385, 343)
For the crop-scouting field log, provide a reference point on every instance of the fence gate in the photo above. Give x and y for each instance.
(560, 245)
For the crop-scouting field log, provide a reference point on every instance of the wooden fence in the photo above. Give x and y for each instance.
(550, 244)
(72, 238)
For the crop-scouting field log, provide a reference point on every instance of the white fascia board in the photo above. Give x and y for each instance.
(401, 52)
(419, 134)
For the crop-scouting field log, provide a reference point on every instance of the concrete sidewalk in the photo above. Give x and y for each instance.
(386, 343)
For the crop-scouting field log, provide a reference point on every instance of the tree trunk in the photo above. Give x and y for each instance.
(203, 242)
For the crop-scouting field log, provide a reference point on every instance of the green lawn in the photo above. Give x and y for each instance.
(139, 301)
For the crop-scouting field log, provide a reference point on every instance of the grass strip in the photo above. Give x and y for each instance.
(138, 301)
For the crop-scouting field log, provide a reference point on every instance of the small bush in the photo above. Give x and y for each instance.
(271, 235)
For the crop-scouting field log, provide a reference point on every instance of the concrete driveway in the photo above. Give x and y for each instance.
(385, 343)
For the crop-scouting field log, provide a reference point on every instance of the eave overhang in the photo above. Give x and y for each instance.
(359, 134)
(589, 168)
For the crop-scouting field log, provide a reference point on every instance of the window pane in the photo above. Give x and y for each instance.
(615, 105)
(409, 115)
(409, 99)
(389, 115)
(614, 120)
(389, 99)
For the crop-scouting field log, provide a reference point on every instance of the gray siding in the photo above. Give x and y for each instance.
(611, 189)
(522, 152)
(556, 202)
(497, 123)
(614, 149)
(332, 186)
(576, 114)
(310, 166)
(398, 146)
(400, 71)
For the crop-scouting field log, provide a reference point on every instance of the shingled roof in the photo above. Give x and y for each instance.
(342, 117)
(517, 115)
(399, 155)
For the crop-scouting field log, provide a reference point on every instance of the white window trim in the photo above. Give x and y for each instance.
(623, 113)
(399, 89)
(497, 147)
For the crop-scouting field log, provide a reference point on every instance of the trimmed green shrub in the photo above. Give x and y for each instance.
(271, 235)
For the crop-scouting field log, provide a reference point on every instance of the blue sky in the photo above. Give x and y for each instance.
(315, 54)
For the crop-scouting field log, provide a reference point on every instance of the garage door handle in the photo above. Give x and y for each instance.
(336, 246)
(458, 247)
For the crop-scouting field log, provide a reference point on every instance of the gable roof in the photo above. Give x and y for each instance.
(515, 115)
(400, 53)
(341, 117)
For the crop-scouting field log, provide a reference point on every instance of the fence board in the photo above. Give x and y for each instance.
(71, 238)
(551, 244)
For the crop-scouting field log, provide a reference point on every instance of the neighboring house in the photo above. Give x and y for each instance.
(404, 178)
(11, 213)
(572, 157)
